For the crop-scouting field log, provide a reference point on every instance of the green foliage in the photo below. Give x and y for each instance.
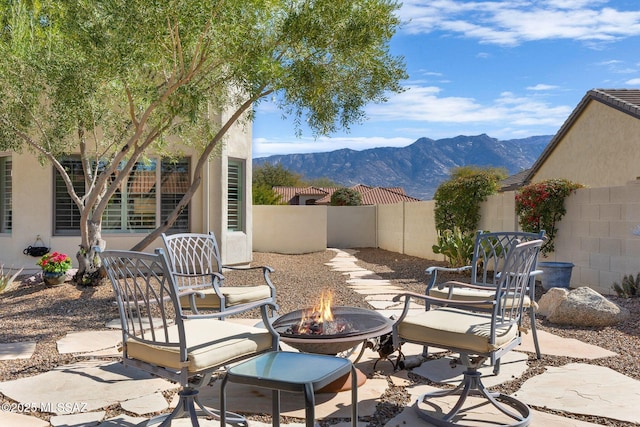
(540, 206)
(117, 80)
(458, 199)
(630, 286)
(346, 197)
(7, 278)
(266, 177)
(264, 195)
(56, 262)
(274, 176)
(456, 245)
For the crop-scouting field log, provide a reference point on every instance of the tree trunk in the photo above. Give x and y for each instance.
(90, 271)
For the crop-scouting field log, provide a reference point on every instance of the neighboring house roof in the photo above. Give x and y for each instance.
(515, 181)
(370, 195)
(624, 100)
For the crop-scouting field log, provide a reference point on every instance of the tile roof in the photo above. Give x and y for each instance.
(624, 100)
(370, 195)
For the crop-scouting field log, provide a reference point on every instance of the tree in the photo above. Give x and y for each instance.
(273, 176)
(266, 177)
(113, 81)
(346, 197)
(458, 199)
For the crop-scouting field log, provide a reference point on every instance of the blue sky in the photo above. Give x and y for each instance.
(510, 69)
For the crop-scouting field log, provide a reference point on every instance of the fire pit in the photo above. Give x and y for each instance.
(313, 331)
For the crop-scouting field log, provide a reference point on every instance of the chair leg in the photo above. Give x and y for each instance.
(472, 385)
(189, 404)
(534, 332)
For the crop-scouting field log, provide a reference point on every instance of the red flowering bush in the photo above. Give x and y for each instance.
(540, 206)
(55, 262)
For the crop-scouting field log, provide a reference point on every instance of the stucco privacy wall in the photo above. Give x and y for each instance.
(596, 234)
(289, 229)
(391, 232)
(351, 226)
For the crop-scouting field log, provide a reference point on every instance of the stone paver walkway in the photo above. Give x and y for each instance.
(78, 394)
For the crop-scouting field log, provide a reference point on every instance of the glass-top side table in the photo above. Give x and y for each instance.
(292, 372)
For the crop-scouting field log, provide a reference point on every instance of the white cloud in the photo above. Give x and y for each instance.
(542, 86)
(425, 104)
(264, 147)
(512, 22)
(633, 82)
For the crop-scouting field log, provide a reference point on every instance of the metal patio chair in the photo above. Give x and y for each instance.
(195, 260)
(489, 254)
(159, 338)
(479, 330)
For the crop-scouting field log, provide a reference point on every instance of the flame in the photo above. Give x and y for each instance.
(318, 315)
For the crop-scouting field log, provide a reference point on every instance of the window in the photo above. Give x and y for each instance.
(136, 206)
(5, 194)
(235, 201)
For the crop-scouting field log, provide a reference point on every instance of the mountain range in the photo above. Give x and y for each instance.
(419, 168)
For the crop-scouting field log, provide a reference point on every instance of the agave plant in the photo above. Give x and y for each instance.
(630, 286)
(5, 278)
(456, 246)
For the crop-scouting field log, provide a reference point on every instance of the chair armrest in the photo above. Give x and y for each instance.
(266, 271)
(433, 272)
(437, 301)
(266, 268)
(456, 284)
(189, 293)
(231, 311)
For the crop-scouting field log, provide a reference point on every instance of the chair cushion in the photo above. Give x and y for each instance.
(210, 343)
(451, 327)
(468, 294)
(235, 295)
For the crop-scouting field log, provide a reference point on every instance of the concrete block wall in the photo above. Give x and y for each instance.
(600, 233)
(597, 235)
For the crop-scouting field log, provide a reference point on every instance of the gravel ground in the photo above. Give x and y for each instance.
(34, 312)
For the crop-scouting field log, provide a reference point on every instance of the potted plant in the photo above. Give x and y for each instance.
(540, 206)
(54, 267)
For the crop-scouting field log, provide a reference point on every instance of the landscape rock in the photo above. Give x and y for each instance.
(551, 300)
(580, 307)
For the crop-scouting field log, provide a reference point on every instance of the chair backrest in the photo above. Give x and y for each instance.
(514, 279)
(193, 256)
(146, 296)
(490, 253)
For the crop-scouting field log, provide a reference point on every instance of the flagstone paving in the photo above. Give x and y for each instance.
(17, 350)
(78, 394)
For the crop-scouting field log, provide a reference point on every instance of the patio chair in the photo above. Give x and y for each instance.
(461, 326)
(489, 253)
(196, 263)
(159, 338)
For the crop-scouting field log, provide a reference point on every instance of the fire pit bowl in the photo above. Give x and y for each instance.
(350, 327)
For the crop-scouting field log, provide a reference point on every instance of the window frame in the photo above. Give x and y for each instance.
(117, 217)
(236, 200)
(6, 194)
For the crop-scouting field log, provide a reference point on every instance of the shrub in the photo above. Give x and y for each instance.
(630, 286)
(346, 197)
(540, 206)
(456, 245)
(458, 199)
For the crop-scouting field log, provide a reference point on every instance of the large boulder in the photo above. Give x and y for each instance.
(580, 307)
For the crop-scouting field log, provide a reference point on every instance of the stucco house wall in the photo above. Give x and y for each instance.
(599, 144)
(32, 208)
